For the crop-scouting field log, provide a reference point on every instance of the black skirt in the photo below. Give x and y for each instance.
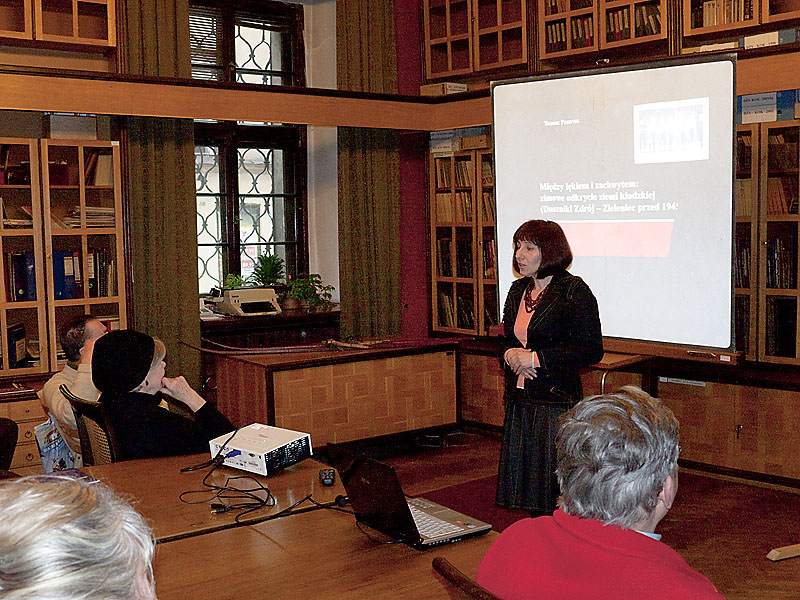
(527, 473)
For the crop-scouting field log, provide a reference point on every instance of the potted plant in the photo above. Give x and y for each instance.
(308, 290)
(268, 270)
(233, 281)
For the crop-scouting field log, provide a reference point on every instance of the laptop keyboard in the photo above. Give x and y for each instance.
(431, 526)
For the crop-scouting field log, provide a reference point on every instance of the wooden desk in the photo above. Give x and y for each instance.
(313, 555)
(154, 486)
(339, 396)
(613, 361)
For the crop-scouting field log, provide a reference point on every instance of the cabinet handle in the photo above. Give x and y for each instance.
(738, 430)
(29, 457)
(28, 434)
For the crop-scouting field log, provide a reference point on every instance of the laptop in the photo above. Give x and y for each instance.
(378, 501)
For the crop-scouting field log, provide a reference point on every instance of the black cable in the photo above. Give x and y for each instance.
(215, 459)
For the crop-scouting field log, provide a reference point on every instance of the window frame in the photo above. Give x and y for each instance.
(282, 15)
(229, 136)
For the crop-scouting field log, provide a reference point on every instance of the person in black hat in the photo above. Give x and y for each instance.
(128, 369)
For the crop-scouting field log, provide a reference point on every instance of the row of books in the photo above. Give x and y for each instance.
(618, 25)
(782, 155)
(742, 320)
(741, 267)
(489, 259)
(20, 280)
(718, 12)
(463, 257)
(456, 207)
(553, 7)
(782, 263)
(781, 327)
(96, 216)
(782, 196)
(461, 316)
(68, 280)
(744, 194)
(17, 346)
(582, 32)
(462, 173)
(648, 20)
(487, 175)
(489, 207)
(556, 36)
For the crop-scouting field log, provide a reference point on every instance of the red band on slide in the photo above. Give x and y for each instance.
(644, 239)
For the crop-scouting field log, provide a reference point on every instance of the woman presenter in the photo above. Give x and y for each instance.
(551, 329)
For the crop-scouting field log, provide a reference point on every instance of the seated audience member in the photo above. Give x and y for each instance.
(617, 458)
(128, 368)
(69, 539)
(77, 339)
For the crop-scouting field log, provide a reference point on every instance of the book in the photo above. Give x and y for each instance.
(17, 346)
(104, 170)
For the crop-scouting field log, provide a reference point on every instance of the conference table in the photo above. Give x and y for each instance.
(316, 553)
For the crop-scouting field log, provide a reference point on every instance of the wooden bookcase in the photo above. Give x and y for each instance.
(625, 22)
(567, 27)
(745, 266)
(22, 295)
(83, 231)
(464, 292)
(62, 249)
(84, 22)
(779, 292)
(464, 36)
(711, 16)
(774, 11)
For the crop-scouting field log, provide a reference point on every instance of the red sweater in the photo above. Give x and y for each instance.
(569, 558)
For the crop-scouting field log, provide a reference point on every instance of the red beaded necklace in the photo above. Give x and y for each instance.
(530, 302)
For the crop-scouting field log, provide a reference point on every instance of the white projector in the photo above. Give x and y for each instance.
(262, 449)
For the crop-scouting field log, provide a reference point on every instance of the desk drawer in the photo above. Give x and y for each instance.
(26, 455)
(26, 434)
(23, 410)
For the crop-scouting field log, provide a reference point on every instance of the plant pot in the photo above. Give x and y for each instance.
(290, 303)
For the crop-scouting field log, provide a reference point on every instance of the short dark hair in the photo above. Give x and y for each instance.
(552, 243)
(73, 336)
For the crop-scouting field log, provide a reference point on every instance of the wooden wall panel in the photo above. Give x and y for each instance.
(482, 389)
(343, 402)
(241, 380)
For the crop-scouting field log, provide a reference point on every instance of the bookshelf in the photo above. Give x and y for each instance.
(83, 233)
(22, 298)
(567, 27)
(774, 11)
(710, 16)
(463, 243)
(746, 239)
(623, 22)
(778, 267)
(464, 36)
(84, 22)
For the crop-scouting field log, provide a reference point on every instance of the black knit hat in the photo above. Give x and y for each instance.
(121, 360)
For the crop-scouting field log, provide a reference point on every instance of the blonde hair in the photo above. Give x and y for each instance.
(65, 539)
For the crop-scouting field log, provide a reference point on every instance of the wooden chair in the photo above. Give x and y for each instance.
(8, 442)
(99, 445)
(461, 586)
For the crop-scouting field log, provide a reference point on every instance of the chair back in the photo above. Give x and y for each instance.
(461, 587)
(8, 442)
(99, 445)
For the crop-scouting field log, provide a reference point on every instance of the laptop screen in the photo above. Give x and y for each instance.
(375, 494)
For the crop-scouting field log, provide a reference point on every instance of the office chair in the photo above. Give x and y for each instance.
(461, 586)
(8, 442)
(99, 445)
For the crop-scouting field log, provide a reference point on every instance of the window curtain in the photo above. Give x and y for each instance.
(159, 185)
(369, 210)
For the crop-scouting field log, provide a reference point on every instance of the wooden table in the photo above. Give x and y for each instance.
(154, 486)
(321, 554)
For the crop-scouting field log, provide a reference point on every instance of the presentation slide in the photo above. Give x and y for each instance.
(636, 165)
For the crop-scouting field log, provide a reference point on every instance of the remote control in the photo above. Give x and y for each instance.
(327, 476)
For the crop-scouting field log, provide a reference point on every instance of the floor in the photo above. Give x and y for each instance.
(723, 528)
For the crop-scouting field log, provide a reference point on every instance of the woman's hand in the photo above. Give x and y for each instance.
(520, 361)
(179, 388)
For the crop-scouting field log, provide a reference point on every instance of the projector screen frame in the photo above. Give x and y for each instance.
(632, 345)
